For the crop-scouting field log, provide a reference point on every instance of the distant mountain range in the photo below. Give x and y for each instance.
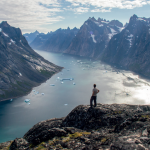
(31, 36)
(57, 41)
(93, 37)
(125, 46)
(21, 68)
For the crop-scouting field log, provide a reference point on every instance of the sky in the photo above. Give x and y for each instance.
(50, 15)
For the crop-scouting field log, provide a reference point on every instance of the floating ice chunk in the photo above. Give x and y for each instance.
(0, 30)
(62, 82)
(28, 103)
(65, 104)
(67, 79)
(52, 84)
(58, 78)
(11, 100)
(74, 83)
(37, 92)
(33, 90)
(42, 93)
(27, 100)
(5, 34)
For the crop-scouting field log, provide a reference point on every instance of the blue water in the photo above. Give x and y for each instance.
(17, 117)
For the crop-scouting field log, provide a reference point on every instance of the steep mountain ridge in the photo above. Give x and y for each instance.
(93, 37)
(131, 48)
(57, 41)
(21, 68)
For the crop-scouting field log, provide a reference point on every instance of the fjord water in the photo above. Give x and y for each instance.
(17, 117)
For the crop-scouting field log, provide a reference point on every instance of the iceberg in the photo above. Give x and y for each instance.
(42, 93)
(74, 83)
(52, 84)
(67, 79)
(28, 103)
(27, 100)
(65, 104)
(62, 82)
(33, 90)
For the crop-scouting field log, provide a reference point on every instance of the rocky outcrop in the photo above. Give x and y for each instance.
(130, 48)
(114, 127)
(21, 68)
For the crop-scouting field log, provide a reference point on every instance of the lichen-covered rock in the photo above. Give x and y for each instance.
(113, 127)
(19, 144)
(42, 131)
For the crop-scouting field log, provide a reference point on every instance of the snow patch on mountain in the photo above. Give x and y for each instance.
(105, 22)
(120, 28)
(101, 25)
(93, 37)
(96, 22)
(12, 41)
(141, 19)
(113, 32)
(5, 34)
(130, 39)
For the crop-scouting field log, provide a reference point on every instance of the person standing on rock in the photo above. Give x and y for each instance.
(94, 96)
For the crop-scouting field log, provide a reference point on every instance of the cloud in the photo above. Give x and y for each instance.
(80, 10)
(30, 15)
(101, 10)
(39, 14)
(105, 6)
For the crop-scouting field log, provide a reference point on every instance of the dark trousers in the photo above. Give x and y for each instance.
(91, 101)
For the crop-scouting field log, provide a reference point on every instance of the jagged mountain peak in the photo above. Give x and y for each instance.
(133, 18)
(116, 22)
(68, 28)
(36, 32)
(4, 24)
(100, 19)
(93, 19)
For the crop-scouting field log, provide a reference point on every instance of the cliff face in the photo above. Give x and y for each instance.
(20, 67)
(93, 37)
(57, 41)
(114, 127)
(131, 47)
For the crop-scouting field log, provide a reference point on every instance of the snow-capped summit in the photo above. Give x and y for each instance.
(93, 37)
(131, 47)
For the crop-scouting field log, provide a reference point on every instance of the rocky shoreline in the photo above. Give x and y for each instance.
(105, 127)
